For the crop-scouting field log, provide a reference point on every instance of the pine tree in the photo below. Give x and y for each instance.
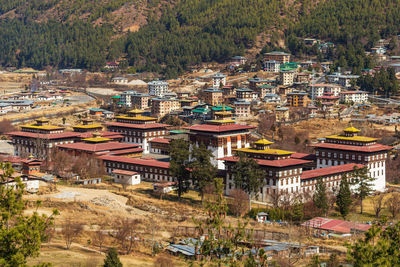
(21, 234)
(363, 184)
(203, 172)
(179, 152)
(343, 198)
(248, 176)
(320, 198)
(112, 259)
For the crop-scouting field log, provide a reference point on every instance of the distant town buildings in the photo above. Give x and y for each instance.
(286, 77)
(278, 56)
(218, 80)
(158, 88)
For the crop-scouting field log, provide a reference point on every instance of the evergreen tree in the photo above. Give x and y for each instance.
(320, 198)
(20, 234)
(179, 153)
(378, 247)
(112, 259)
(248, 176)
(220, 248)
(202, 170)
(343, 198)
(363, 183)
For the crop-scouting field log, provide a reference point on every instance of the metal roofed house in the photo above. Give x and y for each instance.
(336, 226)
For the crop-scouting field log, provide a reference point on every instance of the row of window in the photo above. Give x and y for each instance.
(347, 156)
(136, 167)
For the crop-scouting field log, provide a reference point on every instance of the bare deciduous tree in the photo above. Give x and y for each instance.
(126, 233)
(239, 204)
(99, 237)
(377, 203)
(71, 230)
(393, 204)
(6, 126)
(163, 261)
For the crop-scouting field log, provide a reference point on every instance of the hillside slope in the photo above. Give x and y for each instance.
(168, 36)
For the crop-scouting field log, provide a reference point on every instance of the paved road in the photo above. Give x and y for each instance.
(382, 99)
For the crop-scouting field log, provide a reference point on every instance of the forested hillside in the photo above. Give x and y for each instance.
(176, 34)
(354, 25)
(204, 30)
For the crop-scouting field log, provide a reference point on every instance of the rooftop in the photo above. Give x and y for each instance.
(137, 126)
(279, 163)
(123, 172)
(263, 142)
(136, 161)
(369, 148)
(219, 128)
(351, 138)
(330, 170)
(45, 136)
(268, 151)
(99, 147)
(42, 127)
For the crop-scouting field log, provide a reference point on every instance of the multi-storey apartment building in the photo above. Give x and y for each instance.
(158, 88)
(278, 56)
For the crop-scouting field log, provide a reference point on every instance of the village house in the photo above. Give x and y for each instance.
(218, 80)
(286, 77)
(278, 56)
(120, 80)
(158, 88)
(237, 61)
(263, 90)
(317, 90)
(163, 106)
(242, 108)
(126, 177)
(281, 114)
(272, 99)
(356, 97)
(213, 96)
(297, 99)
(272, 66)
(246, 94)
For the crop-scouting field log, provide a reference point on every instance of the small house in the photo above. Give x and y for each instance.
(126, 177)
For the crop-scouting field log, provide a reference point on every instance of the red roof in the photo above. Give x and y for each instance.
(98, 147)
(45, 136)
(126, 151)
(117, 171)
(160, 140)
(335, 225)
(305, 156)
(136, 161)
(352, 92)
(279, 163)
(11, 159)
(219, 128)
(137, 126)
(105, 134)
(330, 170)
(328, 97)
(32, 161)
(369, 148)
